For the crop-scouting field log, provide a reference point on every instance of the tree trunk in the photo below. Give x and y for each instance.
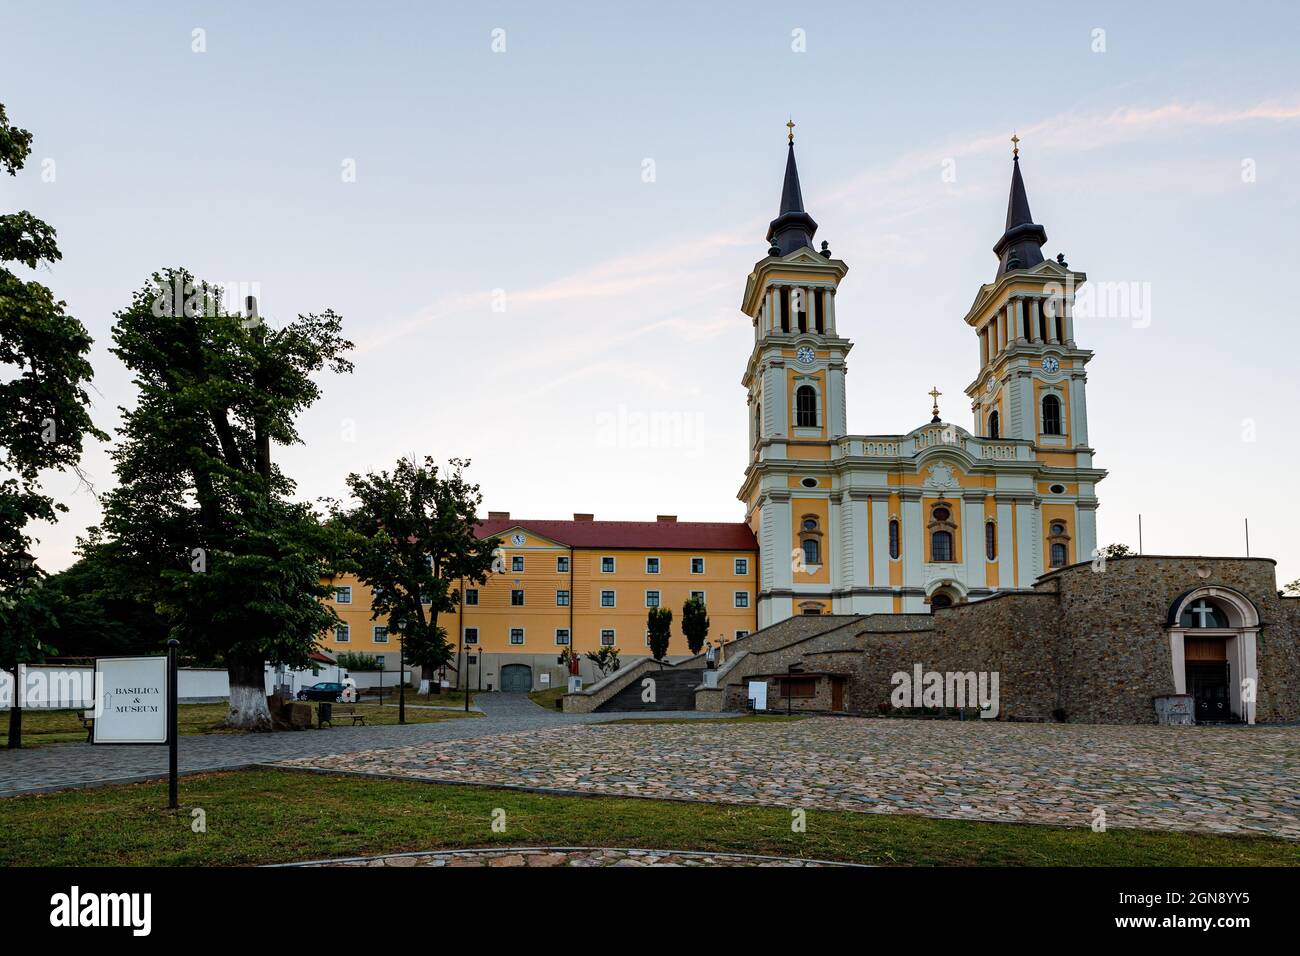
(248, 710)
(15, 717)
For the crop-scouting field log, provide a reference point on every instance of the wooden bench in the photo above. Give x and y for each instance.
(88, 723)
(337, 711)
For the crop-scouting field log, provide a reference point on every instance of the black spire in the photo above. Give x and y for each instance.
(1021, 245)
(793, 228)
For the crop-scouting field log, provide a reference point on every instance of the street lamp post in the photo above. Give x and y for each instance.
(23, 564)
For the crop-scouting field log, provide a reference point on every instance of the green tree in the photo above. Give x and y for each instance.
(1292, 589)
(413, 542)
(605, 659)
(44, 411)
(659, 622)
(1116, 551)
(695, 624)
(201, 515)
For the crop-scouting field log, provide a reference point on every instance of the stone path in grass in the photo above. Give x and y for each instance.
(1232, 780)
(537, 857)
(81, 764)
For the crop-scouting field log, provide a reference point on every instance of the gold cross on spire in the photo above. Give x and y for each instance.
(790, 126)
(1015, 145)
(934, 393)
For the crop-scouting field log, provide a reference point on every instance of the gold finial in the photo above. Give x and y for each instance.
(934, 393)
(790, 126)
(1015, 145)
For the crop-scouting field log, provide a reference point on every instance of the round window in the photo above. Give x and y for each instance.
(810, 524)
(810, 482)
(1058, 528)
(1057, 489)
(941, 514)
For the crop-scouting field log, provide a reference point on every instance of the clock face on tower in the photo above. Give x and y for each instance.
(517, 539)
(1050, 364)
(805, 356)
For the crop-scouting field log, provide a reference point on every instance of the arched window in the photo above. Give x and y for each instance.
(1060, 557)
(805, 406)
(812, 551)
(893, 539)
(994, 430)
(1051, 415)
(991, 541)
(1203, 613)
(758, 420)
(941, 546)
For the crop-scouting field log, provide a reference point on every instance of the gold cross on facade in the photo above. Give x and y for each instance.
(1015, 145)
(934, 393)
(790, 126)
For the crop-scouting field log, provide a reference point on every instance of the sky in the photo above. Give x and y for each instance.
(536, 220)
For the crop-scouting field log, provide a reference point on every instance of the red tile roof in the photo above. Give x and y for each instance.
(649, 535)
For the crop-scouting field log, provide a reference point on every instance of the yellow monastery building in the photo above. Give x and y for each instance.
(835, 522)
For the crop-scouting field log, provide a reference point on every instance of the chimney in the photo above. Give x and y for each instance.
(498, 516)
(665, 517)
(578, 517)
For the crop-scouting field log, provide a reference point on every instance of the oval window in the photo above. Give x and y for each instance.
(810, 482)
(1057, 489)
(941, 514)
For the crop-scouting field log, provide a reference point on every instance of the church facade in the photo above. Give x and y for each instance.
(939, 514)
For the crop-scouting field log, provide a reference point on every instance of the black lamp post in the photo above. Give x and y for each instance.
(401, 672)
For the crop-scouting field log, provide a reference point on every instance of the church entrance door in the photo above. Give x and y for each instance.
(1207, 682)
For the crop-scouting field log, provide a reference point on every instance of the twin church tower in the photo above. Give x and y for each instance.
(855, 524)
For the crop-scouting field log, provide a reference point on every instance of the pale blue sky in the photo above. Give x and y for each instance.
(522, 171)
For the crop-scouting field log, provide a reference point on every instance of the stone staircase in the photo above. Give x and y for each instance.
(674, 690)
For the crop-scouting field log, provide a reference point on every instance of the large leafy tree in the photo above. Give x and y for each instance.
(413, 542)
(44, 411)
(201, 513)
(695, 624)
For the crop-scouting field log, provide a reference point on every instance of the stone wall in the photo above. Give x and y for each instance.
(1114, 648)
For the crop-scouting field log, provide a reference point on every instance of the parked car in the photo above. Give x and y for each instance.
(325, 690)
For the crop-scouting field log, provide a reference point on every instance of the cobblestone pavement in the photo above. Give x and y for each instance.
(80, 764)
(572, 856)
(1222, 780)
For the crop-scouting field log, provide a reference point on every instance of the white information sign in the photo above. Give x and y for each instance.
(758, 694)
(131, 700)
(546, 678)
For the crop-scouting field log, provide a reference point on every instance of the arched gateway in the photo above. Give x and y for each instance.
(1212, 636)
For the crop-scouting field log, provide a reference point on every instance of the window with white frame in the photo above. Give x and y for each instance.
(562, 564)
(562, 598)
(741, 633)
(471, 596)
(471, 635)
(562, 636)
(742, 599)
(699, 595)
(343, 594)
(607, 637)
(652, 599)
(607, 599)
(697, 565)
(379, 634)
(379, 661)
(516, 635)
(651, 565)
(607, 565)
(516, 598)
(342, 633)
(742, 566)
(517, 562)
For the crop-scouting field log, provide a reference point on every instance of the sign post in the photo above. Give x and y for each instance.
(171, 723)
(135, 704)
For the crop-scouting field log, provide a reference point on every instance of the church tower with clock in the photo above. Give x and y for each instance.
(938, 515)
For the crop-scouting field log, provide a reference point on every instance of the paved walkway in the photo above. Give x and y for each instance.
(80, 764)
(1222, 780)
(571, 856)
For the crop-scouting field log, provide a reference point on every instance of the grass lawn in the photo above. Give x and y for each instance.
(448, 698)
(547, 698)
(42, 727)
(276, 816)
